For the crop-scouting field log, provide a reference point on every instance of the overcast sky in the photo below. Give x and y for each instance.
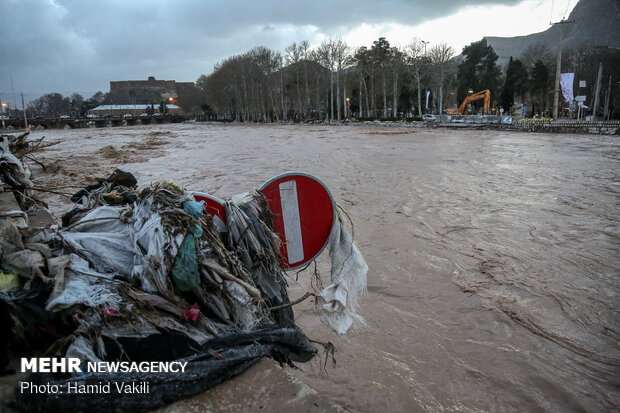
(78, 45)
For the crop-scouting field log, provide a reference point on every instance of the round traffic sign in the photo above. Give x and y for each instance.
(304, 214)
(214, 207)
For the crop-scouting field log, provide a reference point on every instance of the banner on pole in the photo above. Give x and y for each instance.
(428, 93)
(566, 82)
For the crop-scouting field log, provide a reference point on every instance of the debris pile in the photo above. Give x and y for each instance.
(141, 274)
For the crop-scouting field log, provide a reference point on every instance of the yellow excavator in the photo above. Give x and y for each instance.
(462, 110)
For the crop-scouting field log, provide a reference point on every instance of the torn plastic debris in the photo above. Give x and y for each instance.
(119, 181)
(82, 285)
(12, 170)
(113, 293)
(119, 261)
(338, 301)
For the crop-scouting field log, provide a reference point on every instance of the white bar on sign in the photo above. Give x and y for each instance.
(292, 223)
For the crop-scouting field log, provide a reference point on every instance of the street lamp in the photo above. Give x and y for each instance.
(4, 105)
(425, 43)
(425, 88)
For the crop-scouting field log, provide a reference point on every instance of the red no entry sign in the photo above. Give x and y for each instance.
(214, 207)
(303, 212)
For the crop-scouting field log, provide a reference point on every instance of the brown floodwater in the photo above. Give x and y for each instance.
(494, 255)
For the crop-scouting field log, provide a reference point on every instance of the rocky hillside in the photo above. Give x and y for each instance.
(597, 23)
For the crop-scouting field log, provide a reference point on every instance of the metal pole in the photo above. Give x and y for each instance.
(558, 66)
(24, 109)
(605, 114)
(425, 89)
(598, 90)
(2, 112)
(556, 92)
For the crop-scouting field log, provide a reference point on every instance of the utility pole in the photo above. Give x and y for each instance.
(2, 112)
(425, 89)
(556, 92)
(605, 115)
(13, 90)
(598, 90)
(24, 109)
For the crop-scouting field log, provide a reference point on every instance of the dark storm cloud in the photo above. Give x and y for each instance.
(69, 45)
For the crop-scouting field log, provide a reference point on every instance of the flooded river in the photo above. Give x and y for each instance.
(494, 255)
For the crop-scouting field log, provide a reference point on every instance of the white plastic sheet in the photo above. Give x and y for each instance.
(339, 301)
(104, 240)
(85, 286)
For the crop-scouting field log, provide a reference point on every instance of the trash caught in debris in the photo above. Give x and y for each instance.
(144, 273)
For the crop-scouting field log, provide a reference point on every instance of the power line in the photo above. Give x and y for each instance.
(566, 11)
(551, 15)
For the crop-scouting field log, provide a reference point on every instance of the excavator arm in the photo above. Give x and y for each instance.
(485, 94)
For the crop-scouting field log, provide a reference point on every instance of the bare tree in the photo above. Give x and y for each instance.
(417, 62)
(316, 59)
(440, 56)
(396, 63)
(326, 58)
(365, 68)
(534, 52)
(341, 56)
(293, 55)
(306, 54)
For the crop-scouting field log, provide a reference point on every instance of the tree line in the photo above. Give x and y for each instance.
(335, 81)
(330, 81)
(55, 104)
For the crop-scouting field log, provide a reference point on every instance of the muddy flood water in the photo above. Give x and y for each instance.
(494, 256)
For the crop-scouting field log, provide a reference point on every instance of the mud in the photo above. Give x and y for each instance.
(493, 255)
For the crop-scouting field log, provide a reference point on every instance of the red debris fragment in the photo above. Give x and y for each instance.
(192, 313)
(109, 311)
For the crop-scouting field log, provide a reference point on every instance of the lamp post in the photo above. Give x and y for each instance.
(425, 43)
(425, 88)
(348, 108)
(4, 105)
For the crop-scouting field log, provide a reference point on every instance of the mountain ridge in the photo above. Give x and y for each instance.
(596, 23)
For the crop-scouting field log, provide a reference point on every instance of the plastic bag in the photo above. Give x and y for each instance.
(185, 269)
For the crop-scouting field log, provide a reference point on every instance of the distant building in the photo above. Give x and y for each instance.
(147, 91)
(135, 110)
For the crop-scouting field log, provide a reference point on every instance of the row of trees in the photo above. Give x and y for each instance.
(333, 81)
(75, 105)
(329, 81)
(55, 104)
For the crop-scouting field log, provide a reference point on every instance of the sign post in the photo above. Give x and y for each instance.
(580, 99)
